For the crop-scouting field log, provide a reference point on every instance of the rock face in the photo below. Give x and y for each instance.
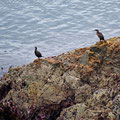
(80, 85)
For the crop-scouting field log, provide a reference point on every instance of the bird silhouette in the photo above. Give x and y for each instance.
(37, 53)
(100, 35)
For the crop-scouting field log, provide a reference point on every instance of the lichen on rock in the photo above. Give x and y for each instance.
(81, 84)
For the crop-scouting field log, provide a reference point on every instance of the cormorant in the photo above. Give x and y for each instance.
(37, 53)
(100, 35)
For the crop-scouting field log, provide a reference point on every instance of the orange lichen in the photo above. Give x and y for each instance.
(80, 51)
(88, 69)
(96, 52)
(93, 59)
(117, 50)
(77, 57)
(52, 60)
(112, 47)
(94, 55)
(109, 62)
(37, 62)
(103, 44)
(91, 52)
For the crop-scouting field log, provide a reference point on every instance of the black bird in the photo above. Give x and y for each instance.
(37, 53)
(100, 35)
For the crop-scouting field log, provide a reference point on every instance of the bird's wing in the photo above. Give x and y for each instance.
(101, 36)
(39, 53)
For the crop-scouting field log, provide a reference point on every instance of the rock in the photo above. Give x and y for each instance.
(81, 84)
(111, 116)
(116, 105)
(73, 113)
(82, 93)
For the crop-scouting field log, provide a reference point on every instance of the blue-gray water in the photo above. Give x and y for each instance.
(54, 26)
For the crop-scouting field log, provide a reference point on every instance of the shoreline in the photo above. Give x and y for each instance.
(83, 83)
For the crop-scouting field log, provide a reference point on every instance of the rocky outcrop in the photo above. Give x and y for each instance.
(83, 84)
